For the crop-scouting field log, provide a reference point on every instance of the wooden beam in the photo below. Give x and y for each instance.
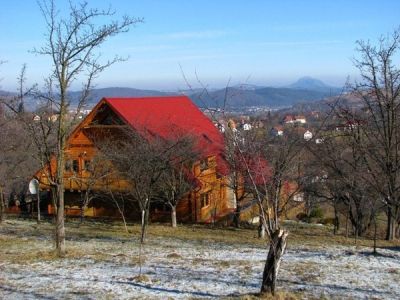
(105, 126)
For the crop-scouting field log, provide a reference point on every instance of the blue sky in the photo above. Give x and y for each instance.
(258, 42)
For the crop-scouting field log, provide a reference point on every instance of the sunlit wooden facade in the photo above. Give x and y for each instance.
(211, 201)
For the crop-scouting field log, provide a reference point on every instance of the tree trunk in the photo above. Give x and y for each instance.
(276, 250)
(60, 155)
(336, 221)
(60, 229)
(143, 227)
(2, 206)
(121, 212)
(355, 234)
(375, 234)
(214, 215)
(236, 216)
(390, 227)
(82, 212)
(53, 190)
(123, 217)
(82, 208)
(261, 231)
(38, 205)
(173, 215)
(146, 220)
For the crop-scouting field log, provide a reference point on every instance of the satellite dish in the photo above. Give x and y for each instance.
(34, 186)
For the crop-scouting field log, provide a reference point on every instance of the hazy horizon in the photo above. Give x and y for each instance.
(210, 85)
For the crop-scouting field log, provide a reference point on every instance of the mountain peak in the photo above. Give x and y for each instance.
(308, 83)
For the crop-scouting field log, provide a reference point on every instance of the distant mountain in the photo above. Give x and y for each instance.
(306, 89)
(312, 84)
(240, 96)
(97, 94)
(6, 94)
(346, 99)
(248, 87)
(263, 96)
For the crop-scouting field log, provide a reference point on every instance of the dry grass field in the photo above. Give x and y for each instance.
(190, 262)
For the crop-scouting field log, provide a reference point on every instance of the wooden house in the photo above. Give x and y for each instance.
(290, 119)
(162, 116)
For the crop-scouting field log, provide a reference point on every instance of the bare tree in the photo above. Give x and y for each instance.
(92, 180)
(267, 164)
(177, 179)
(16, 163)
(141, 158)
(343, 177)
(237, 169)
(118, 199)
(98, 178)
(3, 164)
(379, 93)
(71, 45)
(2, 206)
(270, 163)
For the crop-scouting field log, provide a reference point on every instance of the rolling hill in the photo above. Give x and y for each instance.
(265, 96)
(306, 89)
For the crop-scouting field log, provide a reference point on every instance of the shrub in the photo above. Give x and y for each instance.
(316, 213)
(302, 217)
(328, 221)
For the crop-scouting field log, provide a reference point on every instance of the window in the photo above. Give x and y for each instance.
(68, 165)
(86, 164)
(108, 117)
(298, 197)
(205, 199)
(204, 164)
(72, 165)
(75, 165)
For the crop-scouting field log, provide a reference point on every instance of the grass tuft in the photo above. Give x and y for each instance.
(140, 278)
(280, 295)
(174, 255)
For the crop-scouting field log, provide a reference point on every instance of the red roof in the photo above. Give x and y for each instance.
(278, 128)
(170, 117)
(288, 118)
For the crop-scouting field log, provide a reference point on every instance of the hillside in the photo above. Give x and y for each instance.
(236, 97)
(348, 100)
(263, 96)
(97, 94)
(312, 84)
(305, 90)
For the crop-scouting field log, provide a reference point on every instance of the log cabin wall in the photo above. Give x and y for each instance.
(208, 203)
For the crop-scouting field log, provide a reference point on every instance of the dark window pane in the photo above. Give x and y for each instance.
(204, 164)
(204, 200)
(75, 165)
(68, 165)
(86, 165)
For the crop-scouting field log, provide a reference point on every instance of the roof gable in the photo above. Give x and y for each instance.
(169, 117)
